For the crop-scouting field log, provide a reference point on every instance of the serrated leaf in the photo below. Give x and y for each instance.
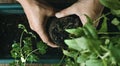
(94, 63)
(42, 47)
(26, 49)
(15, 53)
(16, 45)
(32, 58)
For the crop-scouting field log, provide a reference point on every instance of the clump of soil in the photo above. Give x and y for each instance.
(57, 26)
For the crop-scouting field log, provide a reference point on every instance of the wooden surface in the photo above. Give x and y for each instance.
(53, 1)
(7, 1)
(33, 65)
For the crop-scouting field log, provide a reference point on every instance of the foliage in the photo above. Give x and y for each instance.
(113, 5)
(23, 50)
(91, 47)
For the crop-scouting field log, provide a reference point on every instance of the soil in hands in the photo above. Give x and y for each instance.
(56, 28)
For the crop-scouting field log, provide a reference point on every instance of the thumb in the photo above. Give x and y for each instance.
(65, 12)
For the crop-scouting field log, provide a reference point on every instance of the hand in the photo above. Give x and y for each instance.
(92, 8)
(37, 14)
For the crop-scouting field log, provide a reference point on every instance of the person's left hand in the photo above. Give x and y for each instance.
(91, 8)
(37, 14)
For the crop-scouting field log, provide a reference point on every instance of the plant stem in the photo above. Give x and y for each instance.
(102, 47)
(61, 60)
(31, 53)
(21, 39)
(106, 33)
(101, 17)
(104, 62)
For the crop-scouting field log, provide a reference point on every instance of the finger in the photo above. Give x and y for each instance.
(38, 26)
(44, 36)
(83, 19)
(65, 12)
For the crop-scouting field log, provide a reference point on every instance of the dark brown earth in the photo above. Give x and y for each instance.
(57, 28)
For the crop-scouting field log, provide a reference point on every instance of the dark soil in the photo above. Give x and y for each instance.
(57, 28)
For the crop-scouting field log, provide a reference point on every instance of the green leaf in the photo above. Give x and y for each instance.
(107, 41)
(90, 30)
(42, 47)
(77, 32)
(27, 49)
(112, 4)
(32, 35)
(83, 43)
(15, 53)
(72, 44)
(70, 62)
(77, 44)
(72, 54)
(32, 58)
(82, 58)
(104, 25)
(27, 41)
(115, 40)
(116, 12)
(94, 62)
(115, 52)
(16, 45)
(116, 22)
(21, 26)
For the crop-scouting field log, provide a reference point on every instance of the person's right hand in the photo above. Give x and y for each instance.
(37, 13)
(91, 8)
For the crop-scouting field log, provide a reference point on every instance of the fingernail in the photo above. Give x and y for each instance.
(59, 15)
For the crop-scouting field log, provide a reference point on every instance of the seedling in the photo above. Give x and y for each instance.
(23, 51)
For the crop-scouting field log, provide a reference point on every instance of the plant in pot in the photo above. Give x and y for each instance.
(24, 50)
(88, 46)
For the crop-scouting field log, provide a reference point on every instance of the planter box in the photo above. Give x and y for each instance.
(10, 16)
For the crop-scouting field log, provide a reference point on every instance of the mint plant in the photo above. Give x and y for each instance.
(88, 46)
(23, 50)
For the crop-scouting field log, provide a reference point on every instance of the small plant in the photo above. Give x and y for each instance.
(91, 47)
(23, 51)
